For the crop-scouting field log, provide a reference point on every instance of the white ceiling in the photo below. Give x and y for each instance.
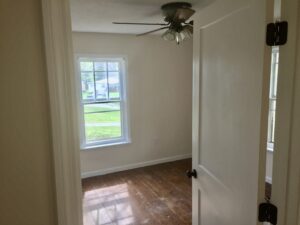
(98, 15)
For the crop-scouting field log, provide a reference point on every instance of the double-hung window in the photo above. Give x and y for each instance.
(273, 98)
(102, 102)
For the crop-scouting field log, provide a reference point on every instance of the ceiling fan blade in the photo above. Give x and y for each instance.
(183, 14)
(152, 31)
(157, 24)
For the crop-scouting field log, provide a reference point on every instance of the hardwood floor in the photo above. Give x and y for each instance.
(154, 195)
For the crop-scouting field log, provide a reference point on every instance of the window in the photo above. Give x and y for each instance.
(272, 98)
(102, 102)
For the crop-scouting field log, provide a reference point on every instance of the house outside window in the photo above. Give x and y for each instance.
(103, 101)
(273, 98)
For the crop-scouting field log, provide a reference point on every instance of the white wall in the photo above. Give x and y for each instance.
(160, 98)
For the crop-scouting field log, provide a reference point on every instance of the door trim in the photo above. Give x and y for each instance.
(284, 153)
(61, 85)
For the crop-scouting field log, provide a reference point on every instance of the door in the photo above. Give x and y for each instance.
(230, 107)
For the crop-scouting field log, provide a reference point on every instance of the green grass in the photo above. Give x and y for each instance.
(104, 117)
(114, 95)
(97, 114)
(96, 133)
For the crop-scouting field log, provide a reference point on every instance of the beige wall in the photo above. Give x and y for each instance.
(160, 98)
(26, 171)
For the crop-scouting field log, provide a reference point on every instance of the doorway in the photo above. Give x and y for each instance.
(67, 183)
(271, 120)
(134, 104)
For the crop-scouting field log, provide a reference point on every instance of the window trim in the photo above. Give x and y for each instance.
(125, 138)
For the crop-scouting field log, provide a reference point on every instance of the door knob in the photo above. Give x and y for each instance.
(192, 173)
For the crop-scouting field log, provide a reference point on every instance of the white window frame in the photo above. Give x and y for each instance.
(125, 138)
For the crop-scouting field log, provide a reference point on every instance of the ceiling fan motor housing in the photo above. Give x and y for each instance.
(170, 10)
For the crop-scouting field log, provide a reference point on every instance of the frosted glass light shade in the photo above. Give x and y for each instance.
(169, 35)
(179, 38)
(173, 35)
(187, 32)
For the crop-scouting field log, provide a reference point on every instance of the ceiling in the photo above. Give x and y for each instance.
(98, 15)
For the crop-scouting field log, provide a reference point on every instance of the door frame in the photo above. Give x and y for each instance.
(65, 140)
(62, 92)
(286, 169)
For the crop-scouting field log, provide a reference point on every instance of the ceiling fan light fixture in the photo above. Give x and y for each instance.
(179, 38)
(169, 35)
(183, 14)
(187, 32)
(176, 15)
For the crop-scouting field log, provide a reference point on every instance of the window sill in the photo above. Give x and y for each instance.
(103, 146)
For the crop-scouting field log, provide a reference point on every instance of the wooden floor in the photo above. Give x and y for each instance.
(156, 195)
(268, 190)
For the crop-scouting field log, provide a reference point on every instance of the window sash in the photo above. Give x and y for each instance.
(96, 73)
(124, 137)
(98, 112)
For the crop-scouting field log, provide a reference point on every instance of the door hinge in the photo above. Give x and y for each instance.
(277, 33)
(191, 174)
(267, 212)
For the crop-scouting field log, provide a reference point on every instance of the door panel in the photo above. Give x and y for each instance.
(230, 113)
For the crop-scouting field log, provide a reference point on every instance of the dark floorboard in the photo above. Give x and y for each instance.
(156, 195)
(268, 191)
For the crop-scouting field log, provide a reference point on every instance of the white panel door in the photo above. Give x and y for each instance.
(230, 107)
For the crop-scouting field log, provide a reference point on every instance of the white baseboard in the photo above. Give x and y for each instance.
(269, 180)
(134, 166)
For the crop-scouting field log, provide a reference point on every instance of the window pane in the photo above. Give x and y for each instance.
(274, 74)
(114, 85)
(113, 66)
(86, 66)
(271, 122)
(102, 121)
(276, 57)
(272, 105)
(100, 66)
(271, 129)
(275, 80)
(101, 86)
(87, 86)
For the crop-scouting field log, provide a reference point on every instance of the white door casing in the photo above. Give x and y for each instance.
(61, 84)
(286, 167)
(230, 108)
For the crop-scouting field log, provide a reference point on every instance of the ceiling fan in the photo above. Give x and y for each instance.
(176, 15)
